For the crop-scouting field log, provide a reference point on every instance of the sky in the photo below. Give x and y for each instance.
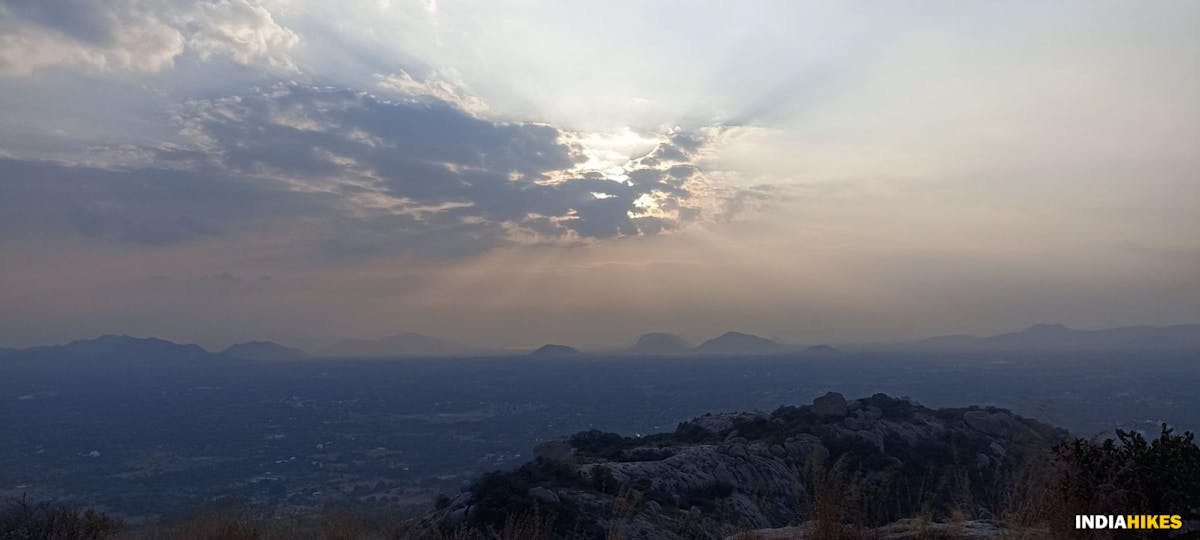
(515, 173)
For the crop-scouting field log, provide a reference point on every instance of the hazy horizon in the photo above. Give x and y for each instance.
(321, 346)
(511, 175)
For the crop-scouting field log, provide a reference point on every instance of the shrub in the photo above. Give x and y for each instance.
(21, 519)
(598, 443)
(499, 495)
(1132, 475)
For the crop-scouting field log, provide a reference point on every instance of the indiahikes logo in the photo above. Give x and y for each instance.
(1128, 522)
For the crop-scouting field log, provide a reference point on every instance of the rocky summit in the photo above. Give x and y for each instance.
(878, 461)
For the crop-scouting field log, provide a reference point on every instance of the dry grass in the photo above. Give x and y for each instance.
(831, 515)
(234, 521)
(525, 527)
(624, 507)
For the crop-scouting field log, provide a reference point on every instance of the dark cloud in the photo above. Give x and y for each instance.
(358, 175)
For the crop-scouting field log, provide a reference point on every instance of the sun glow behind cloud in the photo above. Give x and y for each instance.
(611, 154)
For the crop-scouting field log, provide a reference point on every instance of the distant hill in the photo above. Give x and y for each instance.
(551, 349)
(739, 343)
(263, 350)
(660, 343)
(1058, 337)
(407, 344)
(119, 345)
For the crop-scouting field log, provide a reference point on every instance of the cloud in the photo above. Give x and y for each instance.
(437, 86)
(138, 35)
(352, 174)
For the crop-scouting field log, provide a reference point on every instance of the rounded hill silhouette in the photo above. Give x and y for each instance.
(660, 343)
(551, 349)
(739, 343)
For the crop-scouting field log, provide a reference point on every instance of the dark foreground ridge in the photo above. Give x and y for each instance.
(876, 461)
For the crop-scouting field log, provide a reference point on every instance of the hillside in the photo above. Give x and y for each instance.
(660, 343)
(739, 343)
(883, 459)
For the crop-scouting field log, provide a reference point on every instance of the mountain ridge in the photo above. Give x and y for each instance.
(112, 344)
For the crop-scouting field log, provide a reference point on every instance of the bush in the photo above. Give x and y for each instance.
(499, 495)
(598, 443)
(1132, 475)
(24, 520)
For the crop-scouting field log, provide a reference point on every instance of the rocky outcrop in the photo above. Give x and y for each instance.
(721, 474)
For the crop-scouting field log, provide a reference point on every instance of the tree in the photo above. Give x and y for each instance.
(1132, 475)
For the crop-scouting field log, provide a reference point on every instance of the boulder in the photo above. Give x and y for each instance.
(831, 404)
